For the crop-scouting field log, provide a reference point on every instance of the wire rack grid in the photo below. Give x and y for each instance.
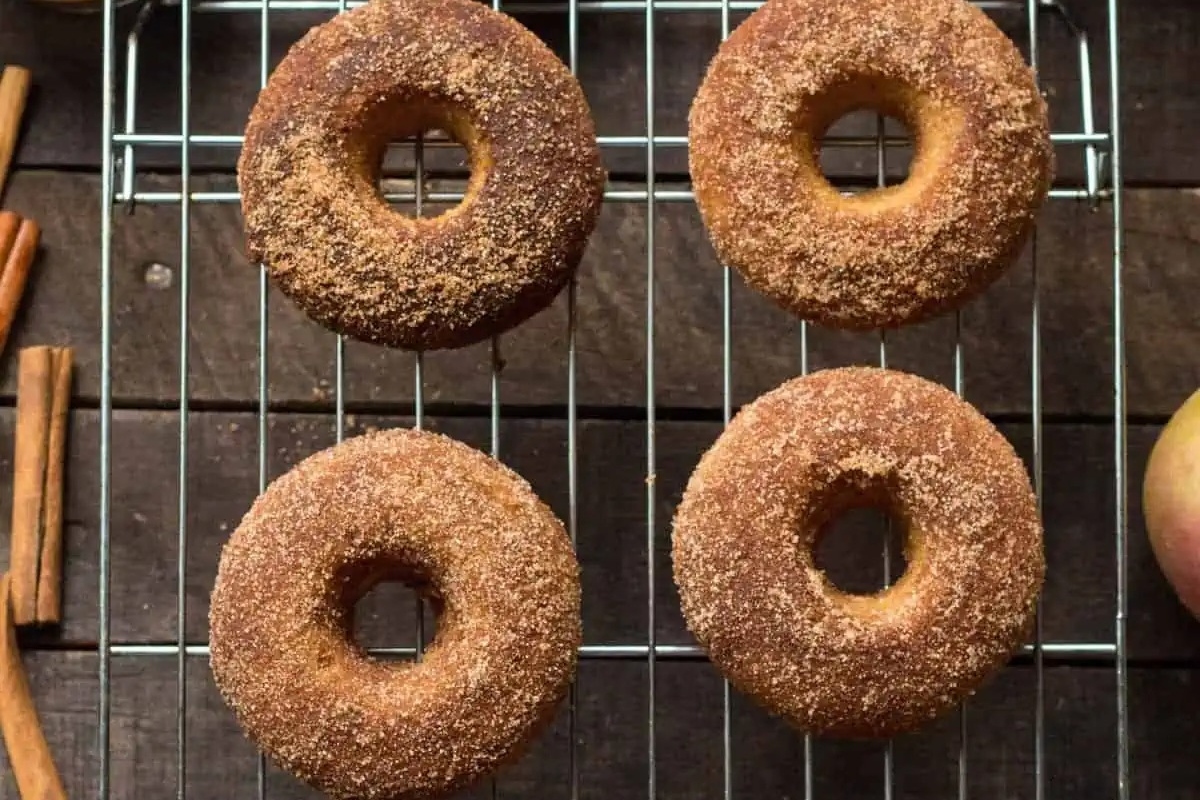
(1097, 148)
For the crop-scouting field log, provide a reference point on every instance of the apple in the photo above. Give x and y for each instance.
(1171, 502)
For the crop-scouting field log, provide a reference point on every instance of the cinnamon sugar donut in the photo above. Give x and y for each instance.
(470, 536)
(390, 69)
(850, 665)
(982, 165)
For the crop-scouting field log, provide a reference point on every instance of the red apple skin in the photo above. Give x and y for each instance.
(1171, 502)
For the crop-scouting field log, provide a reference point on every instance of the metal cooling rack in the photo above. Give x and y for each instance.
(1095, 142)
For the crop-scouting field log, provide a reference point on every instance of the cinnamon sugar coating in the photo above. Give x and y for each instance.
(847, 665)
(474, 539)
(391, 69)
(983, 159)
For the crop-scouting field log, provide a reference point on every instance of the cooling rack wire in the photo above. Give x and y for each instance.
(1095, 143)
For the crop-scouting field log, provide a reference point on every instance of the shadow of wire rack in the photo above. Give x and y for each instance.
(1088, 145)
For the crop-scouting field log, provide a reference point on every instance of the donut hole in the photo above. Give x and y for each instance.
(850, 165)
(386, 618)
(441, 142)
(445, 164)
(389, 608)
(850, 549)
(917, 133)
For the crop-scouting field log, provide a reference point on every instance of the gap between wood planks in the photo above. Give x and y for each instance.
(522, 411)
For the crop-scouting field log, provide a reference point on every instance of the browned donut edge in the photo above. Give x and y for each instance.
(858, 666)
(313, 213)
(506, 646)
(880, 260)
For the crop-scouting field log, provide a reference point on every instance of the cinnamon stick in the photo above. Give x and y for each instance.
(49, 587)
(28, 753)
(34, 401)
(9, 223)
(15, 274)
(14, 90)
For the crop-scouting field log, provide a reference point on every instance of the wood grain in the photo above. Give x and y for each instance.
(1074, 257)
(1079, 757)
(1074, 277)
(1158, 40)
(1079, 507)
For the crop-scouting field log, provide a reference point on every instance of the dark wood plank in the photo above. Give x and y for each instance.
(1074, 274)
(1079, 762)
(65, 54)
(1154, 87)
(62, 121)
(1079, 507)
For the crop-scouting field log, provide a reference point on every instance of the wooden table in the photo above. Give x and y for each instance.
(58, 183)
